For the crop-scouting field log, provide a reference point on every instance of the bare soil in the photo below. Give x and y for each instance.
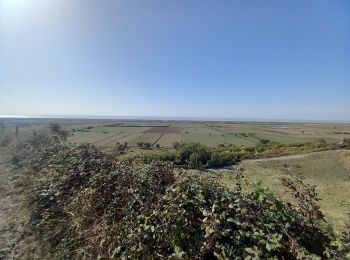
(164, 130)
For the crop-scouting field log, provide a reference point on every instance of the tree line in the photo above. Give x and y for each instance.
(197, 156)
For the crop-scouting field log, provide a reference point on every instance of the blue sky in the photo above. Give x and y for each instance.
(234, 59)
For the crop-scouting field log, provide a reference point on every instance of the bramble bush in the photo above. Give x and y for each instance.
(89, 205)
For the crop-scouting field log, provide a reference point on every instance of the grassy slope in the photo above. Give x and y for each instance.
(15, 242)
(329, 171)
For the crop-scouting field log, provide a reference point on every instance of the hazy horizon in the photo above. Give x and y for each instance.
(171, 118)
(273, 60)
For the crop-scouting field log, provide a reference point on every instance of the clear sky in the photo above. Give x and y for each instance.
(268, 59)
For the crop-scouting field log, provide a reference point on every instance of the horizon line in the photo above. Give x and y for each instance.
(170, 118)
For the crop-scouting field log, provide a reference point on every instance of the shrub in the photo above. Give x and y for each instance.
(264, 141)
(5, 139)
(88, 206)
(176, 145)
(147, 145)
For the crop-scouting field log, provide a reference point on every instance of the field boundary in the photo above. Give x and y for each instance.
(156, 141)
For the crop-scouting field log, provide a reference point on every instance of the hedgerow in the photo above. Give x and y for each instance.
(197, 156)
(89, 205)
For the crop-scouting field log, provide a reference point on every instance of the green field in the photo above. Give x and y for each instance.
(329, 171)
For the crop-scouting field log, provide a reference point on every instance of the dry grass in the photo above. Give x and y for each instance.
(15, 241)
(329, 171)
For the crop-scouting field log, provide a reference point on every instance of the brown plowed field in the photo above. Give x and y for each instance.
(164, 130)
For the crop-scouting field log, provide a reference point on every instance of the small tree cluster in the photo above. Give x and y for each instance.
(120, 148)
(57, 130)
(144, 145)
(195, 155)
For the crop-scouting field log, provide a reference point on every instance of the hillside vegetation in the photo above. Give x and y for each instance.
(197, 156)
(89, 205)
(329, 171)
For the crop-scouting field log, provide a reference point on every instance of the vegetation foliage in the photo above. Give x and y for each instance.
(195, 155)
(88, 205)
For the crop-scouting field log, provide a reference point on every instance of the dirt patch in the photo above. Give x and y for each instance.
(164, 130)
(283, 157)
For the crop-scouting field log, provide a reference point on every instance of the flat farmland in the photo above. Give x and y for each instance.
(210, 133)
(106, 133)
(167, 140)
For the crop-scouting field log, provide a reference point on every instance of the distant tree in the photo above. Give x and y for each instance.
(119, 147)
(193, 160)
(346, 142)
(322, 142)
(64, 135)
(158, 146)
(264, 141)
(125, 145)
(140, 144)
(302, 132)
(5, 140)
(215, 160)
(176, 145)
(56, 129)
(147, 145)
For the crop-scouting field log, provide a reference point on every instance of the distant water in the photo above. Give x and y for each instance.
(14, 116)
(164, 118)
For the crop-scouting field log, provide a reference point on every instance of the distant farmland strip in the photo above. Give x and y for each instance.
(282, 139)
(113, 125)
(147, 138)
(84, 137)
(252, 139)
(117, 139)
(131, 139)
(158, 139)
(163, 130)
(154, 126)
(275, 131)
(168, 140)
(101, 140)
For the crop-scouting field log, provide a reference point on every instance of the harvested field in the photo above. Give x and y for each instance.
(164, 130)
(168, 140)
